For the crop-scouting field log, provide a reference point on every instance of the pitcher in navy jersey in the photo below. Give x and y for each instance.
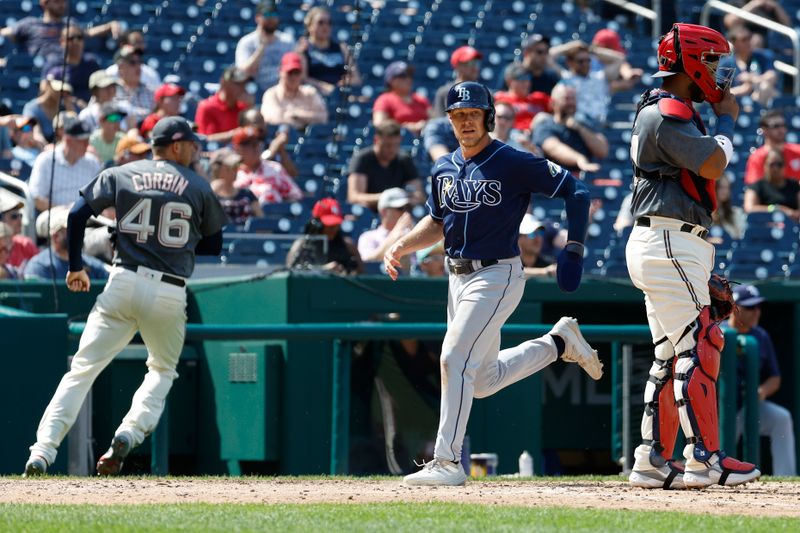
(479, 194)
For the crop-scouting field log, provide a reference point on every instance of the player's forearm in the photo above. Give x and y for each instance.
(426, 233)
(770, 386)
(576, 204)
(76, 228)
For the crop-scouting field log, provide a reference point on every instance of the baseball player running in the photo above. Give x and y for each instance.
(479, 195)
(165, 214)
(676, 164)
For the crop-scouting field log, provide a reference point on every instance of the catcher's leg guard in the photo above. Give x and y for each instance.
(653, 467)
(696, 372)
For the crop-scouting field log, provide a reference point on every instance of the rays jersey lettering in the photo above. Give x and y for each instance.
(462, 196)
(480, 202)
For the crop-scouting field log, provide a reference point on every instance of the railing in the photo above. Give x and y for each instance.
(653, 15)
(342, 334)
(791, 33)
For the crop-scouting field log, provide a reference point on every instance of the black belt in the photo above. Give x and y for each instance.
(166, 278)
(467, 266)
(685, 227)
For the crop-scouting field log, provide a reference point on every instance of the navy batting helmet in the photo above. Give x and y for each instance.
(474, 95)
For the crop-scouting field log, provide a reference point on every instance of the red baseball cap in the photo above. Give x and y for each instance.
(464, 54)
(168, 89)
(247, 133)
(328, 211)
(608, 38)
(291, 61)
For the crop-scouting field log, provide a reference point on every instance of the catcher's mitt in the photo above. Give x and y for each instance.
(719, 288)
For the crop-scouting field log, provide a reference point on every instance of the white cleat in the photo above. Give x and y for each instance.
(438, 472)
(576, 349)
(36, 466)
(717, 475)
(667, 477)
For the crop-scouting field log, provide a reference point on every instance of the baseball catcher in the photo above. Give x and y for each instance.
(676, 163)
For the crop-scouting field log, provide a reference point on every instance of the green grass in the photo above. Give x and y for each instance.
(394, 517)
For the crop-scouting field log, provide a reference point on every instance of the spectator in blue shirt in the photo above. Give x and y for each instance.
(755, 74)
(38, 267)
(775, 421)
(567, 140)
(438, 137)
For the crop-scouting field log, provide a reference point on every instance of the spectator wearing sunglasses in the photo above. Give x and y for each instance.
(104, 139)
(328, 63)
(755, 74)
(399, 102)
(773, 191)
(26, 148)
(79, 65)
(135, 38)
(466, 63)
(536, 60)
(505, 131)
(130, 88)
(596, 72)
(772, 126)
(22, 247)
(45, 107)
(39, 35)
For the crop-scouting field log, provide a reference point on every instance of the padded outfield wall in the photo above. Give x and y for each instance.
(265, 406)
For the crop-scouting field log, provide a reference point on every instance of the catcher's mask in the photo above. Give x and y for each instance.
(696, 50)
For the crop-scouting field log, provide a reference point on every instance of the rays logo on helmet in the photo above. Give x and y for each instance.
(462, 196)
(463, 93)
(553, 168)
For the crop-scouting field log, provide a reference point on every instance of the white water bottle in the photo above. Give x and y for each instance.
(525, 464)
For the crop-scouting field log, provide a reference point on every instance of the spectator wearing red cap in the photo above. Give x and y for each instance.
(399, 102)
(328, 63)
(624, 77)
(268, 180)
(217, 116)
(168, 99)
(525, 103)
(342, 255)
(466, 62)
(291, 101)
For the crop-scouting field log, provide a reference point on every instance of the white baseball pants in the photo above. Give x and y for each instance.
(672, 268)
(472, 364)
(131, 301)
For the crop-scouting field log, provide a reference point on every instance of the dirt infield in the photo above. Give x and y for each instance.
(755, 499)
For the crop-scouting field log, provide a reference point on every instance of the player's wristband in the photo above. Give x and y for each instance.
(725, 125)
(726, 145)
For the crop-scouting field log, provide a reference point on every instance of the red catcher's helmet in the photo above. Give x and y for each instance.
(696, 51)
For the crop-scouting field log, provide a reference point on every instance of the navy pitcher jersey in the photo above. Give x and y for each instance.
(481, 201)
(163, 210)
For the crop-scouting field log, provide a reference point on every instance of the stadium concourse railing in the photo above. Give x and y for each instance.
(343, 334)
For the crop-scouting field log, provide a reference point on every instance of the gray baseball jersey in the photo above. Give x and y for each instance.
(664, 145)
(163, 210)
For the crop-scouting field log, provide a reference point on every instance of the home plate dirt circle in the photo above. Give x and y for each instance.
(754, 499)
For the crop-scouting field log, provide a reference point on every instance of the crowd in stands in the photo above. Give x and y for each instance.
(96, 108)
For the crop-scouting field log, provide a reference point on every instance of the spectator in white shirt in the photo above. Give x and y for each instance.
(70, 168)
